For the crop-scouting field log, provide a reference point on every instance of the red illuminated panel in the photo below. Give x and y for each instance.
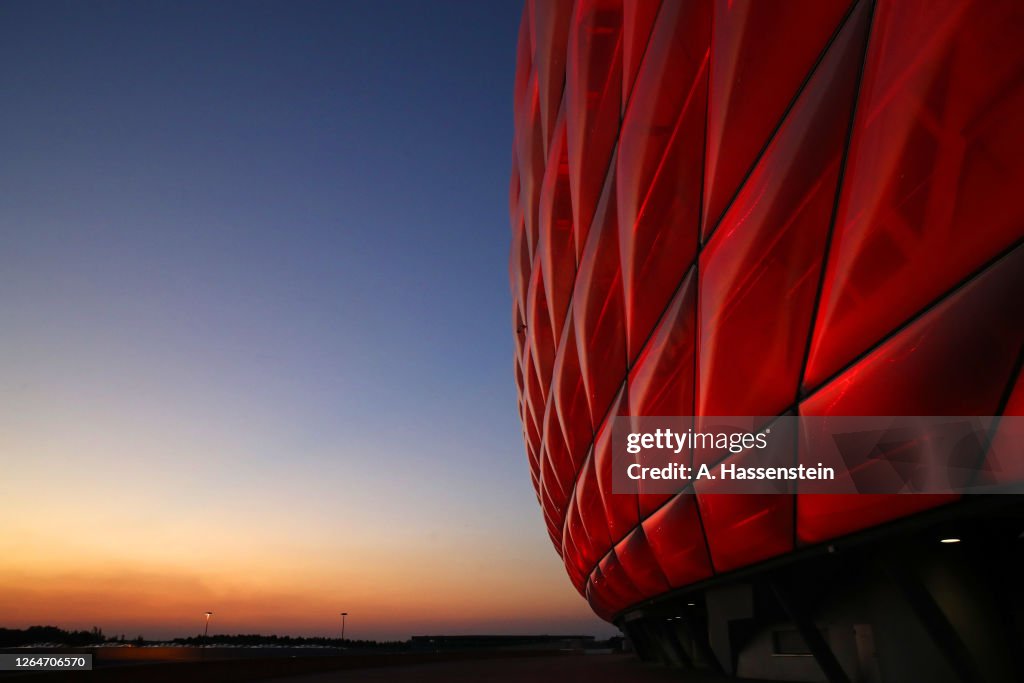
(932, 186)
(550, 34)
(677, 542)
(744, 528)
(585, 553)
(531, 398)
(659, 165)
(598, 310)
(570, 398)
(615, 588)
(592, 510)
(559, 472)
(661, 382)
(520, 266)
(763, 52)
(553, 497)
(593, 91)
(760, 272)
(621, 509)
(554, 528)
(529, 151)
(599, 596)
(556, 247)
(541, 336)
(639, 564)
(637, 21)
(956, 359)
(576, 567)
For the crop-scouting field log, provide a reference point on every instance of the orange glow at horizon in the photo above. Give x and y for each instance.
(298, 593)
(129, 556)
(171, 605)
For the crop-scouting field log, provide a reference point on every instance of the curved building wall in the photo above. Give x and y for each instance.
(755, 208)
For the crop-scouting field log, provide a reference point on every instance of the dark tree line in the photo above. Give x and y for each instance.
(39, 635)
(249, 639)
(33, 635)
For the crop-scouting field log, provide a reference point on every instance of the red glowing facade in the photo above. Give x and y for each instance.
(755, 208)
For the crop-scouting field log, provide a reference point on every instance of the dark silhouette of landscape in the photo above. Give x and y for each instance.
(42, 637)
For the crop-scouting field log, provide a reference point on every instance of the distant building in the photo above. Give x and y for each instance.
(484, 642)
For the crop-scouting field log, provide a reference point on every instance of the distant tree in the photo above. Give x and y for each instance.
(38, 635)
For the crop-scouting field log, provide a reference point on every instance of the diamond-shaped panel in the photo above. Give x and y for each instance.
(759, 273)
(931, 190)
(763, 51)
(659, 165)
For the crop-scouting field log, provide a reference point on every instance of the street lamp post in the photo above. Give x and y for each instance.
(343, 615)
(206, 628)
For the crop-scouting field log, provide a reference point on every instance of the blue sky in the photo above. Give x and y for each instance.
(254, 271)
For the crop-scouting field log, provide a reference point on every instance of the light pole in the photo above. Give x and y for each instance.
(343, 615)
(206, 628)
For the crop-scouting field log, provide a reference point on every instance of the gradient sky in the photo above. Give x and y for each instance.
(256, 351)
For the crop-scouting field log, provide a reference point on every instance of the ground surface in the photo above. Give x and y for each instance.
(281, 666)
(554, 669)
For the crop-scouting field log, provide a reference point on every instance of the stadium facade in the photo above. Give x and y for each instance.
(809, 207)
